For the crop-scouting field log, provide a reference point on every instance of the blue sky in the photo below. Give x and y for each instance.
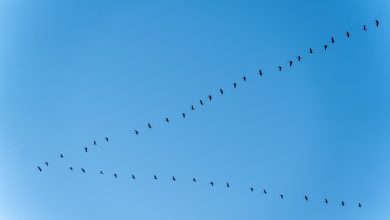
(72, 72)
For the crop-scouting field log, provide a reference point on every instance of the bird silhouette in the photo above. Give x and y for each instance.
(149, 125)
(47, 164)
(310, 50)
(107, 139)
(306, 198)
(115, 175)
(377, 23)
(299, 58)
(132, 176)
(167, 119)
(347, 33)
(210, 97)
(332, 40)
(184, 115)
(82, 169)
(192, 108)
(212, 183)
(364, 28)
(173, 178)
(86, 149)
(290, 62)
(39, 168)
(280, 68)
(235, 85)
(326, 201)
(101, 172)
(221, 91)
(194, 180)
(136, 132)
(359, 205)
(94, 142)
(260, 73)
(201, 102)
(264, 191)
(71, 168)
(325, 47)
(281, 196)
(155, 177)
(227, 185)
(342, 203)
(251, 189)
(62, 156)
(244, 78)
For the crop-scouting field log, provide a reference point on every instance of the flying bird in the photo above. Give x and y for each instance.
(82, 169)
(71, 168)
(210, 97)
(192, 108)
(86, 149)
(260, 73)
(39, 168)
(377, 23)
(201, 102)
(342, 203)
(167, 119)
(227, 185)
(132, 176)
(326, 201)
(364, 28)
(115, 175)
(281, 196)
(264, 191)
(359, 205)
(280, 68)
(251, 189)
(290, 62)
(136, 132)
(221, 91)
(306, 198)
(173, 178)
(299, 58)
(347, 33)
(101, 172)
(184, 115)
(94, 142)
(62, 156)
(325, 47)
(332, 40)
(194, 180)
(235, 85)
(149, 125)
(212, 183)
(244, 78)
(155, 177)
(106, 139)
(310, 50)
(47, 164)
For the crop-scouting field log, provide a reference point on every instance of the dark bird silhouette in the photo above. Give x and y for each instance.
(173, 178)
(107, 139)
(183, 114)
(47, 164)
(290, 62)
(221, 91)
(342, 203)
(136, 132)
(201, 102)
(194, 180)
(155, 177)
(39, 168)
(210, 97)
(281, 196)
(264, 191)
(306, 198)
(227, 185)
(167, 119)
(325, 47)
(132, 176)
(280, 68)
(82, 169)
(326, 201)
(377, 23)
(115, 175)
(71, 168)
(260, 73)
(332, 40)
(101, 172)
(86, 149)
(62, 156)
(251, 189)
(299, 58)
(310, 50)
(364, 28)
(347, 33)
(149, 125)
(94, 142)
(192, 108)
(212, 183)
(244, 78)
(359, 205)
(235, 85)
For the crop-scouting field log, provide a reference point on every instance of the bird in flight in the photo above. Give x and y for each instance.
(210, 97)
(173, 178)
(280, 68)
(155, 177)
(82, 169)
(62, 156)
(71, 168)
(149, 125)
(192, 108)
(347, 33)
(235, 85)
(201, 102)
(47, 164)
(212, 183)
(364, 28)
(290, 62)
(325, 47)
(39, 168)
(194, 180)
(86, 149)
(281, 196)
(342, 203)
(310, 50)
(326, 201)
(167, 119)
(107, 139)
(332, 40)
(299, 58)
(359, 205)
(136, 132)
(306, 198)
(132, 176)
(94, 142)
(244, 78)
(227, 185)
(101, 172)
(221, 91)
(184, 115)
(251, 189)
(377, 23)
(115, 175)
(264, 191)
(260, 73)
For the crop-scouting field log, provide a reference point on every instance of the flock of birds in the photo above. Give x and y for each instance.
(210, 98)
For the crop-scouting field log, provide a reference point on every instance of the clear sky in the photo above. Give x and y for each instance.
(76, 71)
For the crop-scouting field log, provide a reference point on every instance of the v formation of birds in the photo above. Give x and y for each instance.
(221, 92)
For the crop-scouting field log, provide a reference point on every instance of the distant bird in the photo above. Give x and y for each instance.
(39, 168)
(82, 169)
(47, 164)
(235, 85)
(71, 168)
(326, 201)
(212, 183)
(280, 68)
(347, 33)
(132, 176)
(290, 62)
(299, 58)
(210, 97)
(310, 50)
(306, 198)
(101, 172)
(281, 196)
(184, 115)
(359, 205)
(149, 125)
(221, 91)
(325, 47)
(173, 178)
(136, 132)
(264, 191)
(332, 40)
(377, 23)
(342, 203)
(364, 28)
(260, 73)
(192, 108)
(115, 175)
(251, 189)
(201, 102)
(86, 149)
(155, 177)
(94, 142)
(167, 119)
(194, 180)
(62, 156)
(106, 139)
(244, 78)
(227, 185)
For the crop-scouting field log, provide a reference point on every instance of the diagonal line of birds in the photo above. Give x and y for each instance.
(221, 92)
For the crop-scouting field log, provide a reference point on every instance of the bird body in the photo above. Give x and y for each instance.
(364, 28)
(85, 149)
(136, 132)
(310, 50)
(290, 62)
(149, 125)
(94, 142)
(192, 108)
(235, 85)
(325, 47)
(306, 198)
(62, 156)
(106, 139)
(347, 33)
(184, 115)
(281, 196)
(244, 78)
(101, 172)
(299, 58)
(167, 119)
(201, 102)
(251, 189)
(115, 175)
(377, 23)
(221, 91)
(264, 191)
(212, 183)
(71, 168)
(47, 164)
(280, 68)
(173, 178)
(39, 168)
(332, 40)
(210, 97)
(155, 177)
(260, 73)
(227, 185)
(342, 203)
(132, 176)
(82, 169)
(194, 180)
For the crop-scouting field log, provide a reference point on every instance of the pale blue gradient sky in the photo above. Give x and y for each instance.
(73, 71)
